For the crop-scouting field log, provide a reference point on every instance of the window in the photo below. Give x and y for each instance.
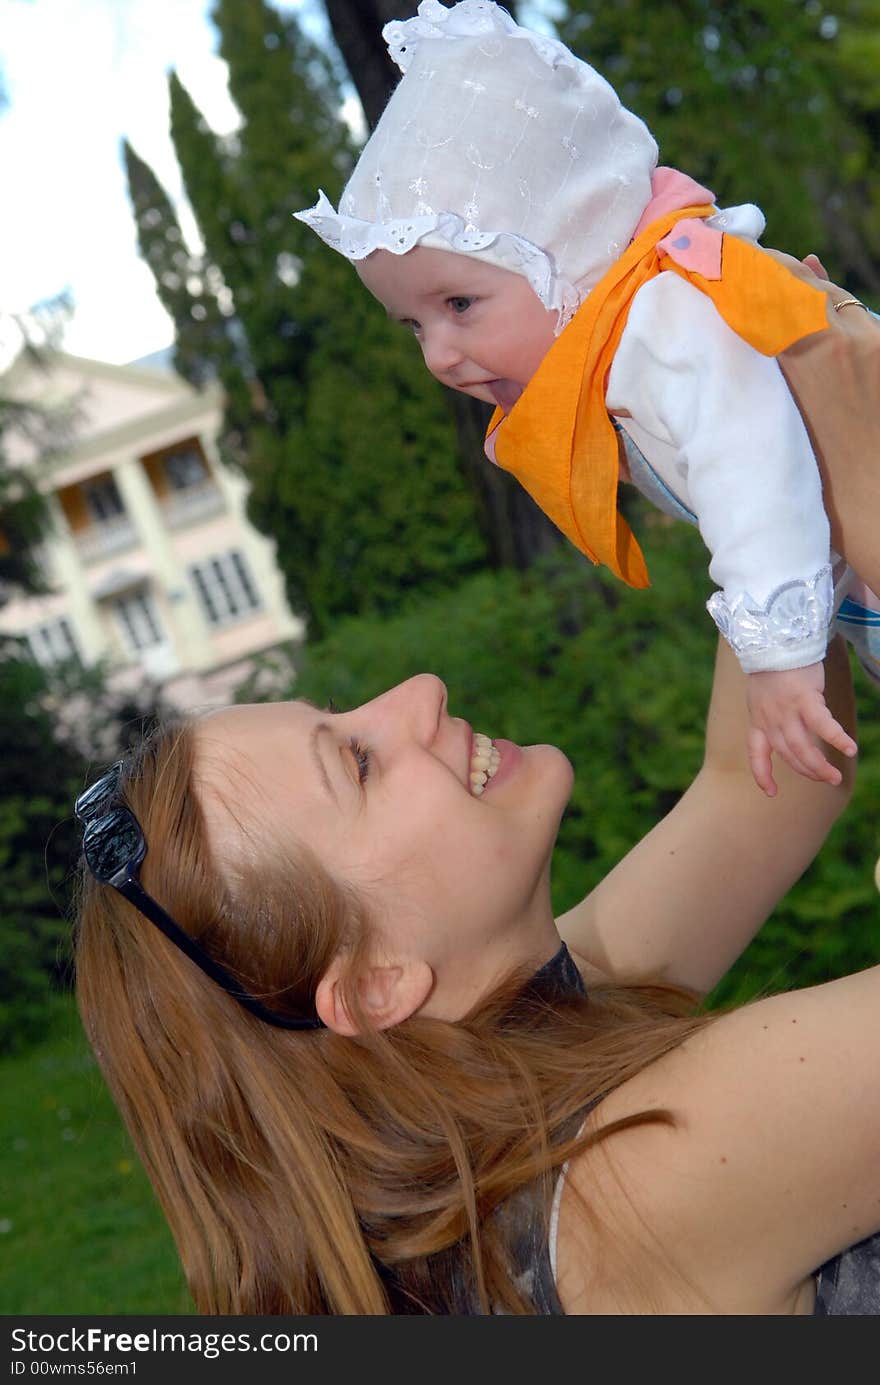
(225, 587)
(186, 467)
(53, 642)
(138, 619)
(103, 499)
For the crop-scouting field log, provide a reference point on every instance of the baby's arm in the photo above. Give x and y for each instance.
(787, 711)
(717, 421)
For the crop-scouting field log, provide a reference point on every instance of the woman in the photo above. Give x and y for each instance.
(359, 1063)
(342, 869)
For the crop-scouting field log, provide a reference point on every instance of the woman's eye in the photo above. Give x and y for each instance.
(362, 757)
(459, 305)
(410, 322)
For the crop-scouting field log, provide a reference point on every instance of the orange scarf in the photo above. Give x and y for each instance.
(558, 439)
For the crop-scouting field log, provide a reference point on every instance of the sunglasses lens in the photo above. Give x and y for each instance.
(112, 842)
(96, 799)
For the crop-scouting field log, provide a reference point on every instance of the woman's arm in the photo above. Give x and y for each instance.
(835, 378)
(685, 901)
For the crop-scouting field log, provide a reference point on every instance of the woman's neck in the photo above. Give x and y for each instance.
(465, 977)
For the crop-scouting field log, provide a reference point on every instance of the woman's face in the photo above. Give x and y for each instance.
(389, 797)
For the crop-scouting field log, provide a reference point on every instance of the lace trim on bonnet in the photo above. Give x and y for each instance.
(356, 239)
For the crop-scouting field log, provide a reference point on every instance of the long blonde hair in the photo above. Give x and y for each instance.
(303, 1172)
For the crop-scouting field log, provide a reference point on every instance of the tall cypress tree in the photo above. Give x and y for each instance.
(203, 342)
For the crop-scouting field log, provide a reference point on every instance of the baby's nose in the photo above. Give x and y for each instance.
(440, 352)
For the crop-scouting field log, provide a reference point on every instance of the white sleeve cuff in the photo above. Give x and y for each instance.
(790, 630)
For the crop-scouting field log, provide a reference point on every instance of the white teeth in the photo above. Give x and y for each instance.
(485, 760)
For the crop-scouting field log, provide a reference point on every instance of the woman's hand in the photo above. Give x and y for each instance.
(789, 715)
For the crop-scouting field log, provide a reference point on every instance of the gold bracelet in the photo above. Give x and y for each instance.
(847, 302)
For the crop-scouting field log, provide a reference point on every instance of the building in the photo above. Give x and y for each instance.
(153, 564)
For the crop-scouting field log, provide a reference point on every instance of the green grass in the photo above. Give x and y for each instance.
(80, 1229)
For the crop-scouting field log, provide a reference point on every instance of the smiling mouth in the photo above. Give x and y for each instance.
(485, 760)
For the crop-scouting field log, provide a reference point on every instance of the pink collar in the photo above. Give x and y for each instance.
(670, 190)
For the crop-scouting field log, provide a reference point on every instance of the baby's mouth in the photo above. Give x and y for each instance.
(505, 393)
(485, 760)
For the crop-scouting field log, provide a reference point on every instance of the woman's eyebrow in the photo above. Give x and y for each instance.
(318, 758)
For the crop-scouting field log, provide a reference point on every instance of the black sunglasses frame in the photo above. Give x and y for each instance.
(109, 825)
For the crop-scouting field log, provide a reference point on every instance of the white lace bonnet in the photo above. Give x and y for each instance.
(496, 142)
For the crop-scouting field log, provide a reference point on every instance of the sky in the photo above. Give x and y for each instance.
(79, 75)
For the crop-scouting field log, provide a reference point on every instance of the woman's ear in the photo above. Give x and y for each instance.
(389, 994)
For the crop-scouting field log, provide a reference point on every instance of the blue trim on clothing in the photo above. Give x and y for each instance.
(856, 614)
(646, 480)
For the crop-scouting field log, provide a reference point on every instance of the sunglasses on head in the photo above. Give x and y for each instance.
(114, 847)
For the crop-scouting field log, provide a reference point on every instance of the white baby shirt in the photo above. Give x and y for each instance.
(717, 423)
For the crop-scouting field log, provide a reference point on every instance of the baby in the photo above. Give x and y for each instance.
(510, 211)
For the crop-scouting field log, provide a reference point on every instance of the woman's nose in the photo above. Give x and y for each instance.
(414, 708)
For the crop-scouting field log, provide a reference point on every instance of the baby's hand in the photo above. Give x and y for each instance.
(788, 715)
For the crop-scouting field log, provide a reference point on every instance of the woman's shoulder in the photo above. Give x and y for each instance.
(764, 1169)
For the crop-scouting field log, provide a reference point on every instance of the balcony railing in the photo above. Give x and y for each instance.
(104, 539)
(192, 504)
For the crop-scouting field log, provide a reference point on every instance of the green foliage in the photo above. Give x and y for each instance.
(620, 681)
(776, 102)
(37, 845)
(368, 494)
(54, 726)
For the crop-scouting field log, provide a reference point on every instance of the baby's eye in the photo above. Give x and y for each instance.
(459, 304)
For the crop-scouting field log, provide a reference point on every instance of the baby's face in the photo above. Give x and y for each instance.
(482, 330)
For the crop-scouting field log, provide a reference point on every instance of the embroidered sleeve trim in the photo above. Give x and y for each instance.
(789, 631)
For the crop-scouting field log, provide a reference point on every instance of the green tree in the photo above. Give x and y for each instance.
(37, 847)
(203, 347)
(776, 102)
